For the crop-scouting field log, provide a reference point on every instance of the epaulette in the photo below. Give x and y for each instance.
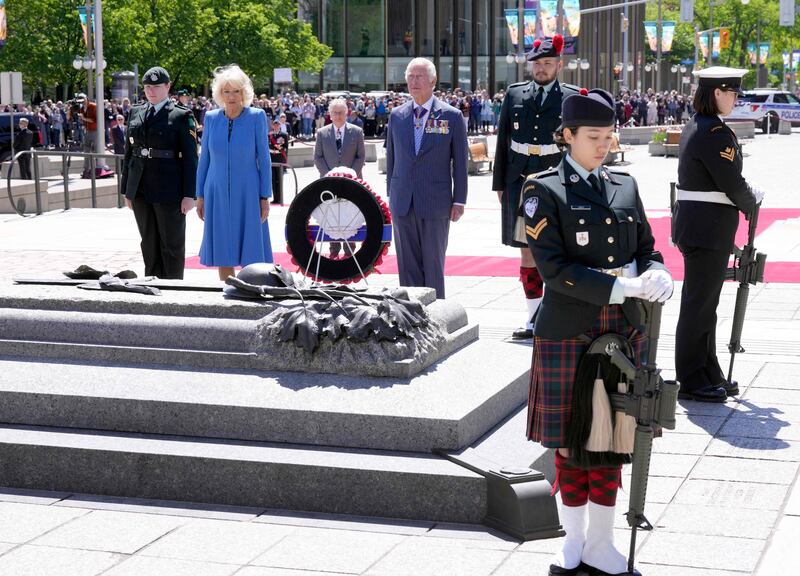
(515, 84)
(618, 172)
(570, 86)
(181, 106)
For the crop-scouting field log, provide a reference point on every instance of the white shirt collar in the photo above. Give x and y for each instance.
(160, 105)
(582, 172)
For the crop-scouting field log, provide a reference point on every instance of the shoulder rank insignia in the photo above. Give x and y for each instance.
(728, 153)
(715, 128)
(534, 231)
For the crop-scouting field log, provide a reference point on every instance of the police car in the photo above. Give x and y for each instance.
(766, 108)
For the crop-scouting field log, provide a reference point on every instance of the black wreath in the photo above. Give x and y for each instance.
(301, 245)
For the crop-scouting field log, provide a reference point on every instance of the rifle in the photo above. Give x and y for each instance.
(652, 402)
(748, 268)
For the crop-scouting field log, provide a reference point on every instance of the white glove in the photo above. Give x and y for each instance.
(657, 285)
(632, 287)
(758, 193)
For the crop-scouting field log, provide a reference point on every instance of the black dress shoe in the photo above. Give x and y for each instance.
(559, 571)
(592, 571)
(731, 388)
(705, 394)
(522, 334)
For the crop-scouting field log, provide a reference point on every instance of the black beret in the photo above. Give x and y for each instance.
(546, 48)
(183, 92)
(589, 108)
(156, 75)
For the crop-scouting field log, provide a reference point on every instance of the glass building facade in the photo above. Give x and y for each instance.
(469, 41)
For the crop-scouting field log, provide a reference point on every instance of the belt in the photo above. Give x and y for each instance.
(535, 149)
(710, 196)
(140, 152)
(628, 271)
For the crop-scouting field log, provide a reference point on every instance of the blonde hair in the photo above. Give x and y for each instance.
(234, 76)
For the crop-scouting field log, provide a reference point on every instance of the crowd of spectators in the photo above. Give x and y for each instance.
(652, 108)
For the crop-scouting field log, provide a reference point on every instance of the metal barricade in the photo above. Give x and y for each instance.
(66, 157)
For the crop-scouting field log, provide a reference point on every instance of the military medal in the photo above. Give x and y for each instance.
(581, 238)
(444, 127)
(574, 178)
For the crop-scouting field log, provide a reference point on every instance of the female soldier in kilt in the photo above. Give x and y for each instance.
(589, 235)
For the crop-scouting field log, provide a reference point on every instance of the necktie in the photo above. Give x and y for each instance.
(151, 112)
(338, 140)
(595, 182)
(419, 114)
(539, 96)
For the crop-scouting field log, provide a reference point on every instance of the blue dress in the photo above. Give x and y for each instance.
(234, 172)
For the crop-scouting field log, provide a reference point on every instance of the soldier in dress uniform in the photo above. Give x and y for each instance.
(158, 175)
(587, 230)
(530, 114)
(710, 194)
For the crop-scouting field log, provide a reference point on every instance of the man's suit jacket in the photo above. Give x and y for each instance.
(436, 177)
(352, 154)
(160, 180)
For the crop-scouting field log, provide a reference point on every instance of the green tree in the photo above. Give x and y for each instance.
(188, 37)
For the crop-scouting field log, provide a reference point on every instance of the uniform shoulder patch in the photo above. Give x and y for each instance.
(715, 128)
(530, 206)
(568, 87)
(618, 172)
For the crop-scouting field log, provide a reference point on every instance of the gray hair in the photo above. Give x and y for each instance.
(338, 103)
(425, 62)
(234, 76)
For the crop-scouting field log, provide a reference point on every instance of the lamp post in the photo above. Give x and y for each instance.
(651, 67)
(578, 64)
(678, 70)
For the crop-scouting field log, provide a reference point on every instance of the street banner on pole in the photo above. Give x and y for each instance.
(3, 23)
(687, 10)
(667, 35)
(787, 12)
(512, 21)
(10, 88)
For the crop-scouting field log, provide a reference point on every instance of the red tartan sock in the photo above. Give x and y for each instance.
(603, 485)
(572, 482)
(532, 283)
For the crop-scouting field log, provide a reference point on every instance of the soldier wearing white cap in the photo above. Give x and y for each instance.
(711, 193)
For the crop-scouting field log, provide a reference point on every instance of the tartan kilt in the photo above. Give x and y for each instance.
(509, 213)
(555, 363)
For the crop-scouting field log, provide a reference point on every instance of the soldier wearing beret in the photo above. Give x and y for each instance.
(530, 114)
(158, 175)
(710, 194)
(594, 248)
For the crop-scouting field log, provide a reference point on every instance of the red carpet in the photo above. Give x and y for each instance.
(507, 266)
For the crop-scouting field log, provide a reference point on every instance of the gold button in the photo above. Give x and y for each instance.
(581, 221)
(630, 218)
(608, 220)
(610, 239)
(610, 258)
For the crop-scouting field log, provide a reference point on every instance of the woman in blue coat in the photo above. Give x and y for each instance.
(234, 178)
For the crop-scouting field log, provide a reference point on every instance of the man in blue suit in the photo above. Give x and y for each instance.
(426, 176)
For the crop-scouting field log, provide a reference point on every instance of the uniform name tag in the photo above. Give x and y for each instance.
(580, 207)
(582, 238)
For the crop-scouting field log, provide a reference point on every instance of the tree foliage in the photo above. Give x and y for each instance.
(745, 22)
(188, 37)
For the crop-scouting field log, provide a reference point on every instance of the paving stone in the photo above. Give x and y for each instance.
(793, 505)
(489, 537)
(781, 556)
(676, 465)
(785, 412)
(166, 507)
(732, 494)
(778, 375)
(218, 541)
(345, 522)
(660, 489)
(663, 570)
(20, 523)
(761, 471)
(697, 424)
(715, 552)
(761, 427)
(150, 566)
(717, 521)
(24, 496)
(5, 548)
(262, 571)
(330, 550)
(45, 561)
(704, 408)
(770, 396)
(652, 512)
(681, 443)
(622, 539)
(437, 557)
(524, 563)
(756, 448)
(110, 531)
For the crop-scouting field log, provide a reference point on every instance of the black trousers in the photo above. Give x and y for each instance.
(162, 228)
(696, 363)
(25, 167)
(277, 184)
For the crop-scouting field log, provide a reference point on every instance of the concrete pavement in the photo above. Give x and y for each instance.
(723, 496)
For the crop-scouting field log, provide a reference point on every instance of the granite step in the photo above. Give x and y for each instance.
(290, 477)
(445, 407)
